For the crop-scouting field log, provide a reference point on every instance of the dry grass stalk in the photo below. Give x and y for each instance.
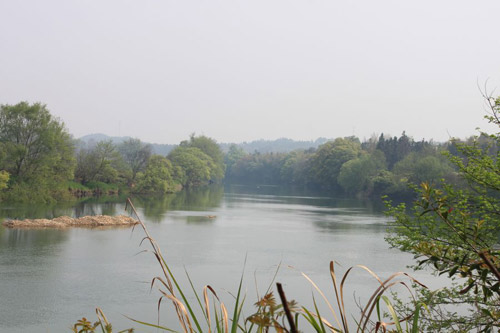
(366, 314)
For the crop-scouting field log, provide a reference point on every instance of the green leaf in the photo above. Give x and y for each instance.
(393, 313)
(453, 271)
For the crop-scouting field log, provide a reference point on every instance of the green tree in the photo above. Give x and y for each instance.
(37, 149)
(4, 179)
(330, 157)
(157, 178)
(296, 166)
(258, 168)
(197, 167)
(4, 175)
(426, 166)
(98, 163)
(455, 231)
(136, 155)
(233, 155)
(395, 149)
(386, 183)
(356, 175)
(210, 147)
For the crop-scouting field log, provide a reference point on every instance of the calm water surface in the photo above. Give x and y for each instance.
(51, 278)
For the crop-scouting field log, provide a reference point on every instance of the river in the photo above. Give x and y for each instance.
(51, 278)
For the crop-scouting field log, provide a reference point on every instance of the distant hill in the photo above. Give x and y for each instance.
(91, 139)
(282, 145)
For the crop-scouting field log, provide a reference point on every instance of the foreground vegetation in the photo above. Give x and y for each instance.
(455, 232)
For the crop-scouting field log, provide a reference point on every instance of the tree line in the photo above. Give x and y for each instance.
(378, 166)
(39, 160)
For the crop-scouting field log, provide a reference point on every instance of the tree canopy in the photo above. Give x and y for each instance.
(157, 178)
(37, 150)
(357, 175)
(209, 147)
(98, 163)
(198, 168)
(136, 155)
(329, 158)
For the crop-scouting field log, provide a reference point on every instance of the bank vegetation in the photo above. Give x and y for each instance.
(40, 161)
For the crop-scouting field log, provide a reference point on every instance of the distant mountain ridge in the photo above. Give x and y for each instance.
(103, 137)
(158, 148)
(281, 145)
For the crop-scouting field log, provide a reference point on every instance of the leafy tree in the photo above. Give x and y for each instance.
(420, 167)
(395, 149)
(37, 150)
(198, 168)
(330, 157)
(4, 175)
(371, 144)
(455, 231)
(35, 141)
(4, 179)
(387, 183)
(258, 168)
(210, 148)
(234, 154)
(484, 141)
(98, 163)
(136, 155)
(356, 175)
(296, 166)
(157, 178)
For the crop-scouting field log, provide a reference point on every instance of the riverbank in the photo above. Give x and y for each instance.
(97, 189)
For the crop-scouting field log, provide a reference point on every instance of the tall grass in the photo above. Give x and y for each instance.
(209, 314)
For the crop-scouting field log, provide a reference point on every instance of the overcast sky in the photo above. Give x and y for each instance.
(243, 70)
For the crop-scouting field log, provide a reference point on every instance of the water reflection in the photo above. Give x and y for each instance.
(300, 196)
(33, 211)
(97, 208)
(199, 199)
(105, 205)
(32, 241)
(274, 190)
(199, 219)
(153, 207)
(343, 224)
(327, 214)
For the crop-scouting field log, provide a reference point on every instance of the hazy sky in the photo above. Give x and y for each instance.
(244, 70)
